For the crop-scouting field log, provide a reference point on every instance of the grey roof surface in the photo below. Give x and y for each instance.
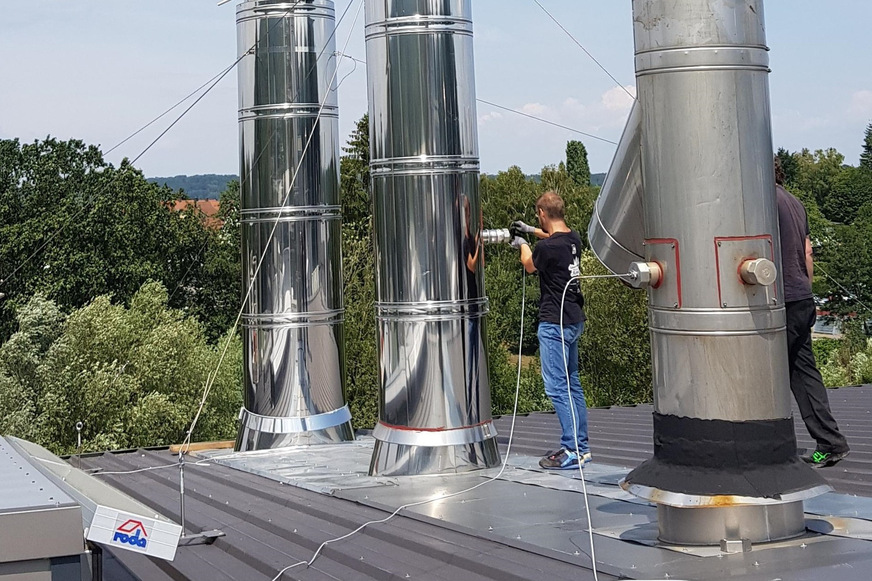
(270, 525)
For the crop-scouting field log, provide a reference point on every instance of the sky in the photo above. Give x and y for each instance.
(99, 70)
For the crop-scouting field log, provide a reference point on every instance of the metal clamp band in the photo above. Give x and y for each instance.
(287, 425)
(434, 437)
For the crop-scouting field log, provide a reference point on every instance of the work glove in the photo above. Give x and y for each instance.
(520, 226)
(518, 241)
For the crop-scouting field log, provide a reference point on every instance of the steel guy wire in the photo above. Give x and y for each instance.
(150, 123)
(546, 121)
(212, 376)
(509, 109)
(569, 34)
(852, 294)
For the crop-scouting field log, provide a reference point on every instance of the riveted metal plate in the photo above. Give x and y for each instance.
(730, 253)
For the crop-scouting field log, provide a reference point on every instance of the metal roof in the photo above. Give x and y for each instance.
(526, 525)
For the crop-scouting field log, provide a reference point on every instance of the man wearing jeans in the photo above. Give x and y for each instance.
(561, 321)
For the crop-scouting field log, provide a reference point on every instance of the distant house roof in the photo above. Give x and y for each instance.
(208, 208)
(271, 523)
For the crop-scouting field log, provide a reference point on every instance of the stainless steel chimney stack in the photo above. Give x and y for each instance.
(294, 361)
(725, 465)
(434, 409)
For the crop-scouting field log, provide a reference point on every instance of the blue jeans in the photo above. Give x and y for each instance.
(551, 350)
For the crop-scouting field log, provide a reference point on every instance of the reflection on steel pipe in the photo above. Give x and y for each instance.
(725, 464)
(434, 413)
(294, 361)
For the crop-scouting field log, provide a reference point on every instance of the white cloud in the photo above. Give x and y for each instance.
(619, 98)
(534, 109)
(861, 104)
(488, 117)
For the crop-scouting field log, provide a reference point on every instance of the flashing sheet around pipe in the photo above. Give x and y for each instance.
(546, 513)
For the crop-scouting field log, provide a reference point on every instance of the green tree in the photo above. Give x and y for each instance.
(211, 289)
(866, 155)
(851, 188)
(615, 348)
(354, 175)
(361, 335)
(817, 172)
(576, 163)
(848, 260)
(73, 227)
(134, 376)
(789, 164)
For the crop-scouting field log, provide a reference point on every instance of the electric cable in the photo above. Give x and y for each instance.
(569, 34)
(453, 494)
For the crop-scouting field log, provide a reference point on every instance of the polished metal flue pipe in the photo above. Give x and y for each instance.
(294, 361)
(725, 466)
(434, 412)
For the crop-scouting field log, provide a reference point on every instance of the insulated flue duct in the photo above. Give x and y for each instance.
(616, 231)
(725, 464)
(294, 362)
(434, 409)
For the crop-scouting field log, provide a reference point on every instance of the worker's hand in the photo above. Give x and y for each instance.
(520, 226)
(518, 241)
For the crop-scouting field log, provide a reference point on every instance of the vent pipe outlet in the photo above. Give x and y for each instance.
(294, 362)
(725, 464)
(434, 409)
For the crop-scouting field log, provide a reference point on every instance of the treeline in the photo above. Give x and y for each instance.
(197, 187)
(116, 308)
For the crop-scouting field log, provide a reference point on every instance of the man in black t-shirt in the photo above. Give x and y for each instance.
(805, 379)
(561, 321)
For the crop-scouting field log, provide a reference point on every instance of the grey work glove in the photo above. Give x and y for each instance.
(518, 241)
(523, 227)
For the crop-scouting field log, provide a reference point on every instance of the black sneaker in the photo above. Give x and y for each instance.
(825, 459)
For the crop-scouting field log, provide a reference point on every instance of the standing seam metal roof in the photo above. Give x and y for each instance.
(270, 525)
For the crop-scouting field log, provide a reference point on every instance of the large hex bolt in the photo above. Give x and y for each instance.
(758, 271)
(644, 274)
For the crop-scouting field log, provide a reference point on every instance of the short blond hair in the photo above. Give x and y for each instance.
(552, 204)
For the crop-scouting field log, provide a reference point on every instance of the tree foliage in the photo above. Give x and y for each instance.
(73, 227)
(133, 376)
(866, 155)
(576, 163)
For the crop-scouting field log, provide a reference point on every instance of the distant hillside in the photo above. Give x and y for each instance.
(199, 187)
(597, 179)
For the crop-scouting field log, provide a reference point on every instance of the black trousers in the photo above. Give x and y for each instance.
(805, 379)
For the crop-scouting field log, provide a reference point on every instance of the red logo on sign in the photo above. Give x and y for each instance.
(132, 526)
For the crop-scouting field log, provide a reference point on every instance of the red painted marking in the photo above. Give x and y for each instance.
(677, 263)
(767, 237)
(131, 526)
